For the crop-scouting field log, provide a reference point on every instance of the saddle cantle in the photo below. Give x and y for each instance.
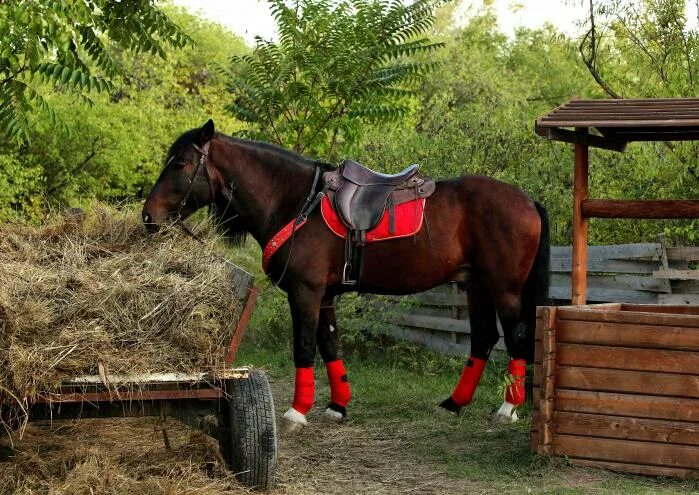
(361, 197)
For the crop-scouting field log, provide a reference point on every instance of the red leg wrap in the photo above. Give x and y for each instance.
(339, 386)
(515, 393)
(463, 393)
(304, 391)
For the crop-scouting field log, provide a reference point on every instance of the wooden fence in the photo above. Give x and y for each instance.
(648, 273)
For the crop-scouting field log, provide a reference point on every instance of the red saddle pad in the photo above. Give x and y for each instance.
(408, 221)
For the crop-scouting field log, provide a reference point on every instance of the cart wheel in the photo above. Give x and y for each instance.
(249, 431)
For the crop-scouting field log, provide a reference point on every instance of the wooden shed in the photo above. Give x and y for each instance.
(617, 385)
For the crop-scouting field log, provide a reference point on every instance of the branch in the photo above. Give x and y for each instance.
(590, 61)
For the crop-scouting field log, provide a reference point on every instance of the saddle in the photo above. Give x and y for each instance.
(361, 197)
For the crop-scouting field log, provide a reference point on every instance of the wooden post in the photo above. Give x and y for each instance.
(547, 392)
(580, 194)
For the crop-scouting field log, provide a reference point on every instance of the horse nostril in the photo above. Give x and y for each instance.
(146, 218)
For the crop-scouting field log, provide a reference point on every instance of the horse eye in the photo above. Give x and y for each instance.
(179, 165)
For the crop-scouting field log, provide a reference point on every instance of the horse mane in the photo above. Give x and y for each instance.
(227, 222)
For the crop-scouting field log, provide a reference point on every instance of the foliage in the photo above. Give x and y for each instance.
(64, 45)
(338, 67)
(113, 149)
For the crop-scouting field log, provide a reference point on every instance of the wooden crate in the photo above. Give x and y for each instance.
(617, 386)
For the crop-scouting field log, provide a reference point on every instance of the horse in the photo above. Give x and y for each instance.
(489, 237)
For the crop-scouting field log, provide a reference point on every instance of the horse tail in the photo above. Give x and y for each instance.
(536, 287)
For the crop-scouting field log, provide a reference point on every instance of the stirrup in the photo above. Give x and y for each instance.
(346, 273)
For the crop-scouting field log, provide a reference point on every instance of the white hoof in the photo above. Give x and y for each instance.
(332, 415)
(294, 421)
(506, 414)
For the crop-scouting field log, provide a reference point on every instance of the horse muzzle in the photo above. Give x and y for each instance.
(149, 222)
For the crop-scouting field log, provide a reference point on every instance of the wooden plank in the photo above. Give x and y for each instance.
(616, 281)
(617, 251)
(441, 299)
(607, 266)
(627, 335)
(689, 299)
(604, 295)
(643, 470)
(627, 358)
(634, 382)
(683, 254)
(430, 322)
(650, 430)
(437, 343)
(663, 309)
(627, 451)
(637, 406)
(627, 315)
(580, 222)
(677, 274)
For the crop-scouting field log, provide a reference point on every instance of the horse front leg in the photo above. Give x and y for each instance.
(484, 336)
(329, 346)
(304, 303)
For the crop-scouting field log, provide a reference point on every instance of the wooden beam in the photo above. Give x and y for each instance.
(644, 209)
(580, 223)
(556, 134)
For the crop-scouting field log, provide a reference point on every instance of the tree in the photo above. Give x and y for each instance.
(64, 46)
(114, 148)
(338, 65)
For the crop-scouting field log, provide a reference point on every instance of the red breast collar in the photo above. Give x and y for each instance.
(278, 241)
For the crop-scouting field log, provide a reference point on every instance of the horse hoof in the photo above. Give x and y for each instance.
(335, 413)
(448, 406)
(506, 415)
(333, 416)
(294, 421)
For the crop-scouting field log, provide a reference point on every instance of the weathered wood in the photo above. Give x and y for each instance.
(580, 222)
(677, 274)
(627, 358)
(607, 266)
(438, 343)
(605, 449)
(689, 299)
(430, 322)
(641, 209)
(637, 315)
(617, 281)
(683, 254)
(595, 295)
(632, 382)
(637, 406)
(617, 251)
(651, 430)
(643, 470)
(627, 335)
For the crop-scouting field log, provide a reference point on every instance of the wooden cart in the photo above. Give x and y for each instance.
(233, 405)
(617, 385)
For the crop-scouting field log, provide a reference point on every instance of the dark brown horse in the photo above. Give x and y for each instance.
(489, 237)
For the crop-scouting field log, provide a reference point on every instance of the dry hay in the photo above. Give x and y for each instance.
(99, 288)
(124, 457)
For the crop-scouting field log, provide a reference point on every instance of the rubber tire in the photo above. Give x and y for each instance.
(248, 439)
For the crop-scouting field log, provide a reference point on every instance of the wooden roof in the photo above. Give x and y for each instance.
(619, 122)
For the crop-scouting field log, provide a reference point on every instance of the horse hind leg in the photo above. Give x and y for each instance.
(484, 336)
(519, 340)
(329, 347)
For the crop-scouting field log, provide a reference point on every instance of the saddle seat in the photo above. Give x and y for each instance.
(361, 196)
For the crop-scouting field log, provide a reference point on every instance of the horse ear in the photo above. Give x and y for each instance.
(206, 133)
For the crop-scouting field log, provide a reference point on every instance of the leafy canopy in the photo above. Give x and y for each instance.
(64, 45)
(338, 65)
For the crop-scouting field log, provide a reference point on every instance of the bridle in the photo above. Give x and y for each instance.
(202, 164)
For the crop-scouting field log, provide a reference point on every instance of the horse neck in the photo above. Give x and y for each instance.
(268, 189)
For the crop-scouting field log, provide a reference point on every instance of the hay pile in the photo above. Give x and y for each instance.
(98, 288)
